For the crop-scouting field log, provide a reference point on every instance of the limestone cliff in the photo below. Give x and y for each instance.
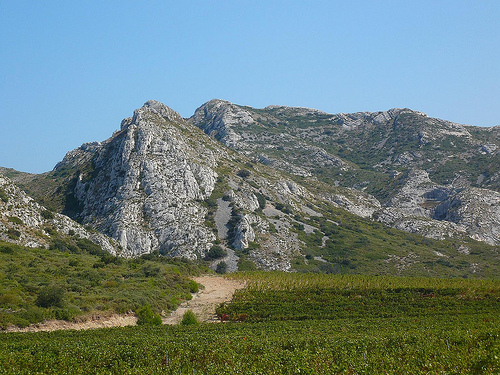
(25, 222)
(146, 182)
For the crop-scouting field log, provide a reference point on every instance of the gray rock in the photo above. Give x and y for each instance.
(147, 183)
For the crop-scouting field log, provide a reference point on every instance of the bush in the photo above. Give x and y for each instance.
(7, 248)
(51, 295)
(150, 270)
(189, 318)
(215, 252)
(3, 196)
(261, 199)
(13, 234)
(145, 315)
(63, 245)
(62, 314)
(47, 215)
(15, 220)
(193, 286)
(221, 267)
(243, 173)
(246, 265)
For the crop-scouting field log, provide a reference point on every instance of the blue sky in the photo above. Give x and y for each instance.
(71, 70)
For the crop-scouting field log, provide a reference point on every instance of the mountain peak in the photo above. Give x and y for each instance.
(162, 110)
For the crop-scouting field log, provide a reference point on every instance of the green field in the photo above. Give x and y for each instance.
(294, 324)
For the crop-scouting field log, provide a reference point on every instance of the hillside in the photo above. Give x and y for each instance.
(428, 176)
(160, 184)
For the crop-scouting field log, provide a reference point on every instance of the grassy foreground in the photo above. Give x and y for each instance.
(454, 329)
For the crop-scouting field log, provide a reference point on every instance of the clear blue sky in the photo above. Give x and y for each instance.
(71, 70)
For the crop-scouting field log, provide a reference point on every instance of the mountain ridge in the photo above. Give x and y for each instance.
(272, 189)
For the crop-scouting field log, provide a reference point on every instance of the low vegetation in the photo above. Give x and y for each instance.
(76, 278)
(364, 325)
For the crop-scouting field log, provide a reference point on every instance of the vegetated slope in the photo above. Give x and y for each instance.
(78, 280)
(435, 339)
(430, 176)
(161, 184)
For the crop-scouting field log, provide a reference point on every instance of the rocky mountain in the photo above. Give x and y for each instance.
(271, 189)
(424, 175)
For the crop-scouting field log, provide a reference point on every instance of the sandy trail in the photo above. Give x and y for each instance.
(217, 289)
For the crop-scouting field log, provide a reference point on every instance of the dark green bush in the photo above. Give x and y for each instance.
(246, 265)
(50, 295)
(215, 252)
(261, 199)
(151, 271)
(243, 173)
(8, 248)
(3, 196)
(89, 247)
(47, 215)
(221, 267)
(62, 314)
(145, 315)
(13, 234)
(15, 220)
(193, 286)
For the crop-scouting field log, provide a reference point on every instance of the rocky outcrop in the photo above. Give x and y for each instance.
(25, 222)
(218, 117)
(146, 185)
(438, 211)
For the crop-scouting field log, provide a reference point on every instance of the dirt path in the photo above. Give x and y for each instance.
(217, 290)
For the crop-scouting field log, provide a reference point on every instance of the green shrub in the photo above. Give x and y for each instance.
(261, 199)
(89, 247)
(15, 220)
(221, 267)
(189, 318)
(63, 245)
(145, 315)
(215, 252)
(13, 234)
(243, 173)
(62, 314)
(3, 196)
(51, 295)
(246, 265)
(151, 271)
(7, 248)
(47, 215)
(193, 286)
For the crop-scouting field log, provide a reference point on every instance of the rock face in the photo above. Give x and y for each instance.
(145, 184)
(25, 222)
(437, 211)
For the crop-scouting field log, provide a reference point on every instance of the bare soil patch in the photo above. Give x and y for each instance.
(217, 290)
